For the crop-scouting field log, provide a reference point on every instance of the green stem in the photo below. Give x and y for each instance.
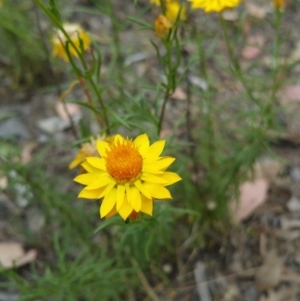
(235, 63)
(276, 68)
(58, 24)
(168, 73)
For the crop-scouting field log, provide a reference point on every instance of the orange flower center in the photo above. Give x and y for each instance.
(123, 162)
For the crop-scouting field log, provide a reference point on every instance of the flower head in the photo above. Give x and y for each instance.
(156, 2)
(210, 6)
(129, 175)
(279, 4)
(173, 8)
(162, 25)
(88, 149)
(77, 35)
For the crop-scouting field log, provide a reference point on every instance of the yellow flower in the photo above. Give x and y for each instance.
(88, 149)
(172, 10)
(156, 2)
(129, 175)
(162, 25)
(76, 33)
(279, 4)
(210, 6)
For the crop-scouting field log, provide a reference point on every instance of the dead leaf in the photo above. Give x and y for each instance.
(253, 48)
(257, 11)
(67, 109)
(290, 93)
(270, 168)
(252, 195)
(179, 94)
(3, 182)
(12, 254)
(283, 294)
(289, 98)
(268, 275)
(250, 52)
(295, 55)
(27, 150)
(272, 296)
(230, 15)
(290, 228)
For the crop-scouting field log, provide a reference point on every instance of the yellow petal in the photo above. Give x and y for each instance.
(106, 190)
(108, 203)
(111, 213)
(89, 168)
(147, 177)
(101, 182)
(77, 160)
(120, 196)
(118, 138)
(102, 146)
(96, 162)
(128, 191)
(88, 178)
(170, 177)
(135, 199)
(159, 165)
(147, 205)
(158, 191)
(90, 194)
(138, 184)
(142, 144)
(155, 150)
(125, 210)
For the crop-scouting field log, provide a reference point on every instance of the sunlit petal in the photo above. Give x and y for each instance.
(138, 184)
(96, 162)
(90, 194)
(156, 149)
(159, 165)
(147, 205)
(148, 177)
(142, 144)
(103, 181)
(89, 168)
(125, 210)
(170, 177)
(88, 178)
(108, 203)
(106, 189)
(158, 191)
(135, 199)
(111, 213)
(102, 146)
(120, 196)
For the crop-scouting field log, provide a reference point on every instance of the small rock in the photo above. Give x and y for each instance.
(295, 174)
(22, 190)
(294, 204)
(199, 82)
(167, 268)
(13, 128)
(53, 124)
(35, 219)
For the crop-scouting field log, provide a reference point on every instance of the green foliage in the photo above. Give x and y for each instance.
(21, 43)
(216, 134)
